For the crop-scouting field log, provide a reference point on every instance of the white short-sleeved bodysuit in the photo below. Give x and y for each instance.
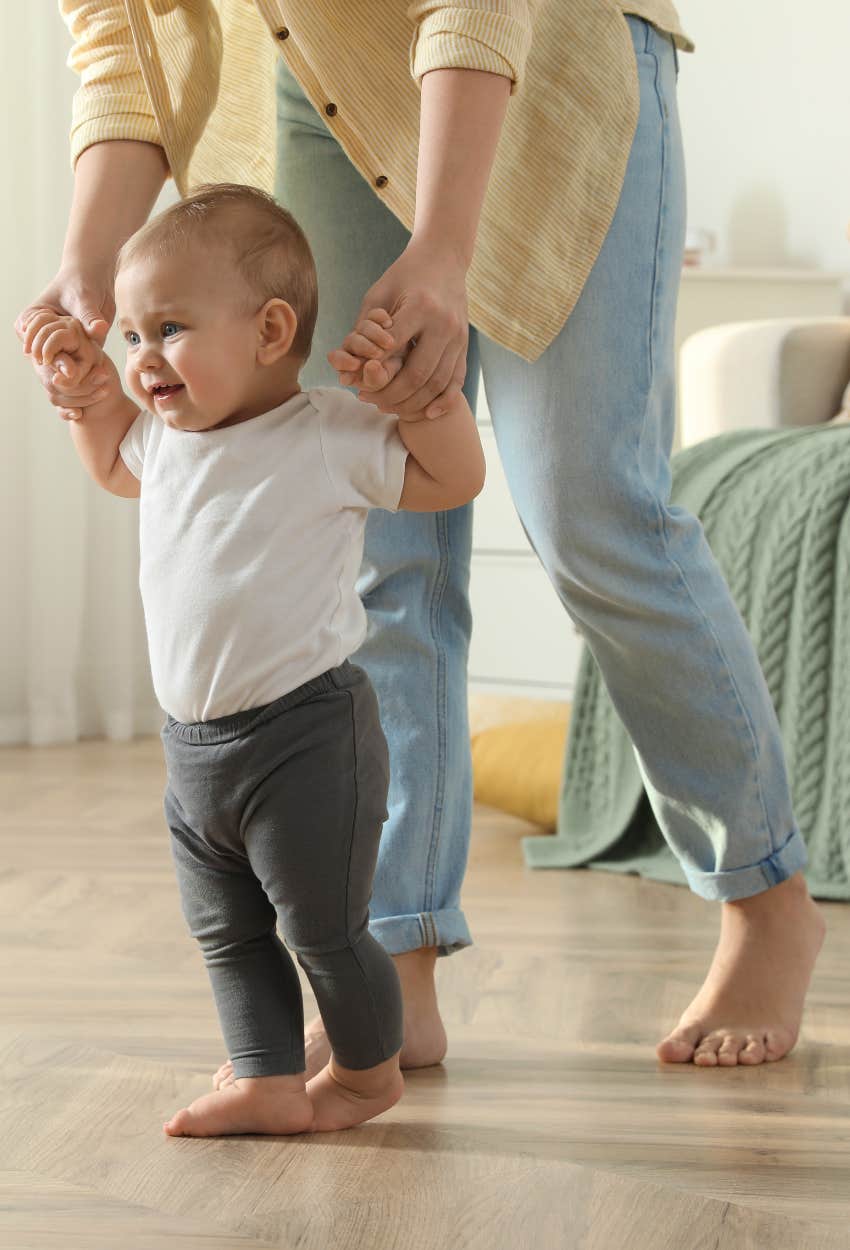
(251, 539)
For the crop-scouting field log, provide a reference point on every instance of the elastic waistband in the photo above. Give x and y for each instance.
(226, 728)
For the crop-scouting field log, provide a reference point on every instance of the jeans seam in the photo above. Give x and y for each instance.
(660, 512)
(437, 597)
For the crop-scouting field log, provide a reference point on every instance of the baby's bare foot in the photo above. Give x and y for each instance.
(342, 1097)
(750, 1006)
(257, 1104)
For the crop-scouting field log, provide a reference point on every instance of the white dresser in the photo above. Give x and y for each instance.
(523, 642)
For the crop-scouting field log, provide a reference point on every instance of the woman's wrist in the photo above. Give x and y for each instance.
(445, 251)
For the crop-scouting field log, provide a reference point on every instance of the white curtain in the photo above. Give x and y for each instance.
(73, 657)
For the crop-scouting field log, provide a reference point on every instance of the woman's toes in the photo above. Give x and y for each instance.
(729, 1050)
(679, 1046)
(777, 1043)
(705, 1055)
(753, 1051)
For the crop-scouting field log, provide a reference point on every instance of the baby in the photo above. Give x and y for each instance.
(253, 502)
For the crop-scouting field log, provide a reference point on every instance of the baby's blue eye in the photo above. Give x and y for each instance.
(166, 324)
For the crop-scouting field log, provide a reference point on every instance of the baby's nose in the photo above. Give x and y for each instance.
(150, 358)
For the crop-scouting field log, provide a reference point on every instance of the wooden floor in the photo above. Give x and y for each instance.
(550, 1125)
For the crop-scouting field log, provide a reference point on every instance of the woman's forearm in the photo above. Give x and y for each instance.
(462, 113)
(116, 184)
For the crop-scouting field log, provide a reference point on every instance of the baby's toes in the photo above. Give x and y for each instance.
(224, 1076)
(180, 1124)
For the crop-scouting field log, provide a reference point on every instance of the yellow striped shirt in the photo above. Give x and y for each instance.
(197, 77)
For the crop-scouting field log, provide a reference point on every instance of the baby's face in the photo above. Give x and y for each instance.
(179, 320)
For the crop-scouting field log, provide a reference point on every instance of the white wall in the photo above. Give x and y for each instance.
(765, 112)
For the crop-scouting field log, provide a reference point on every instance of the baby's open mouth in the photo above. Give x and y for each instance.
(162, 392)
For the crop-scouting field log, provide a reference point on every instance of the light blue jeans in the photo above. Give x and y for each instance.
(584, 434)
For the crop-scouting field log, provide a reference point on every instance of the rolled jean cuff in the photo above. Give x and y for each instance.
(446, 929)
(727, 887)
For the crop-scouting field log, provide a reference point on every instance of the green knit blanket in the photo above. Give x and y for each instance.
(774, 507)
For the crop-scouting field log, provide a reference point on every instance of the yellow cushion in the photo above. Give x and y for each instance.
(517, 767)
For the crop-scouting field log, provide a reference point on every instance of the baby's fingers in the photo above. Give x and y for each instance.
(344, 361)
(56, 339)
(380, 315)
(379, 373)
(364, 341)
(38, 321)
(51, 338)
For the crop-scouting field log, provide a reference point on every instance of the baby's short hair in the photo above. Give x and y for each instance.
(268, 247)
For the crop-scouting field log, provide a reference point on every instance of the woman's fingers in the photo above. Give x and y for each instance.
(438, 382)
(413, 387)
(438, 343)
(76, 393)
(442, 403)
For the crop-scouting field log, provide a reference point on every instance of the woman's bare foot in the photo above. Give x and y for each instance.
(343, 1097)
(255, 1104)
(424, 1034)
(750, 1006)
(425, 1040)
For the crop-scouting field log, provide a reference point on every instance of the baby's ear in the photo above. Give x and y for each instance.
(276, 326)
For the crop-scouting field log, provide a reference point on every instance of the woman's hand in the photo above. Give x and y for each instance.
(87, 296)
(425, 293)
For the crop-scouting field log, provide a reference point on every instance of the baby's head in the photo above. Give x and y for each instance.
(216, 296)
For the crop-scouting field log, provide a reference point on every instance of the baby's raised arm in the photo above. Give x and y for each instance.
(97, 433)
(446, 466)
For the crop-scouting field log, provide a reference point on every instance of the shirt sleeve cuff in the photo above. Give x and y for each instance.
(96, 121)
(455, 38)
(127, 447)
(397, 455)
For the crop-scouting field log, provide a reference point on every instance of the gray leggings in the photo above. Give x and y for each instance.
(276, 815)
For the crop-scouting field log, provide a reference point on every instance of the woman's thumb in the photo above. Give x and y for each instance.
(93, 320)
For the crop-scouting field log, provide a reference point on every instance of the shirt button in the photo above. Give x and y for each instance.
(283, 34)
(381, 180)
(330, 109)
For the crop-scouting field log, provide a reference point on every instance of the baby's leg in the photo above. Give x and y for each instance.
(313, 843)
(256, 989)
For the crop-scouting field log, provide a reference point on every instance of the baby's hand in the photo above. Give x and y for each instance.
(60, 343)
(366, 358)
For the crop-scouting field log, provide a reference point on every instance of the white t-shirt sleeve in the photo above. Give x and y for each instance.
(132, 446)
(363, 452)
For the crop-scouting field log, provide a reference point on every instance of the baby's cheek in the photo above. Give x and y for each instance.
(135, 387)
